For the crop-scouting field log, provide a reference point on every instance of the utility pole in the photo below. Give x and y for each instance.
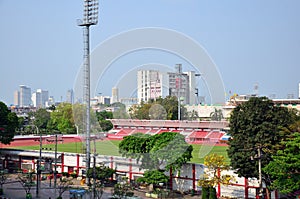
(259, 172)
(90, 18)
(178, 81)
(55, 165)
(94, 169)
(55, 161)
(38, 166)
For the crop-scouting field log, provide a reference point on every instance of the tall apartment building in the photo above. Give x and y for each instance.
(183, 85)
(150, 86)
(153, 84)
(39, 98)
(22, 98)
(179, 84)
(17, 98)
(191, 87)
(70, 96)
(114, 95)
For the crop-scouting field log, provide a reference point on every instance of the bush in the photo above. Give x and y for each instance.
(209, 193)
(212, 193)
(66, 174)
(129, 194)
(73, 175)
(205, 192)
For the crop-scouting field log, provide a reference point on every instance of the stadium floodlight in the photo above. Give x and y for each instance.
(90, 17)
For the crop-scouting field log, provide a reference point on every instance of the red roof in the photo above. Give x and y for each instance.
(124, 132)
(199, 134)
(215, 134)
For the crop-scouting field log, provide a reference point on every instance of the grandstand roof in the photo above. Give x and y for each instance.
(121, 123)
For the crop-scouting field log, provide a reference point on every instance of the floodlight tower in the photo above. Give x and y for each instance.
(90, 17)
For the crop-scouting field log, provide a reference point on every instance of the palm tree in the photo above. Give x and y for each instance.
(216, 115)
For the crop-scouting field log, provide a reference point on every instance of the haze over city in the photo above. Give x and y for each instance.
(252, 43)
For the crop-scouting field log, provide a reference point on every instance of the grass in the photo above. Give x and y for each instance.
(111, 148)
(200, 151)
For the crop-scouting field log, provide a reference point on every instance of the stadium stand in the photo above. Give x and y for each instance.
(194, 131)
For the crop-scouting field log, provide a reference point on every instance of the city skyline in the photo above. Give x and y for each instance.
(252, 43)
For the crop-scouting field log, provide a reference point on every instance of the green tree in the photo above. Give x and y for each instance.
(153, 177)
(285, 166)
(52, 107)
(170, 103)
(27, 182)
(8, 124)
(193, 115)
(63, 185)
(62, 119)
(253, 124)
(103, 115)
(154, 151)
(41, 118)
(215, 164)
(79, 116)
(105, 124)
(119, 111)
(157, 112)
(161, 108)
(216, 115)
(100, 175)
(140, 111)
(123, 189)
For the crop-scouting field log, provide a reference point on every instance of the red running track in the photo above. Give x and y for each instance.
(35, 141)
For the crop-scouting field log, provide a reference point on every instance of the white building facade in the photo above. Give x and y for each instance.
(40, 98)
(150, 85)
(114, 95)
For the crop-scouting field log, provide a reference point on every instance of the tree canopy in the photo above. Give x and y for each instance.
(62, 119)
(8, 124)
(215, 163)
(153, 177)
(154, 151)
(212, 176)
(285, 166)
(255, 123)
(160, 109)
(105, 124)
(42, 117)
(119, 111)
(216, 115)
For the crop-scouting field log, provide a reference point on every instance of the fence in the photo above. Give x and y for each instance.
(183, 181)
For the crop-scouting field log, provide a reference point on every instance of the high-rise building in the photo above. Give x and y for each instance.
(149, 83)
(70, 96)
(39, 98)
(179, 84)
(114, 95)
(191, 87)
(25, 96)
(17, 98)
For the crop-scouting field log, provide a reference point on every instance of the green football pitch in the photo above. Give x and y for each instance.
(110, 148)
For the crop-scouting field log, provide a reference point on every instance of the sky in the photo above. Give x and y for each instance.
(251, 42)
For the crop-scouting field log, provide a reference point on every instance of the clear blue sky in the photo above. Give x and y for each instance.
(250, 41)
